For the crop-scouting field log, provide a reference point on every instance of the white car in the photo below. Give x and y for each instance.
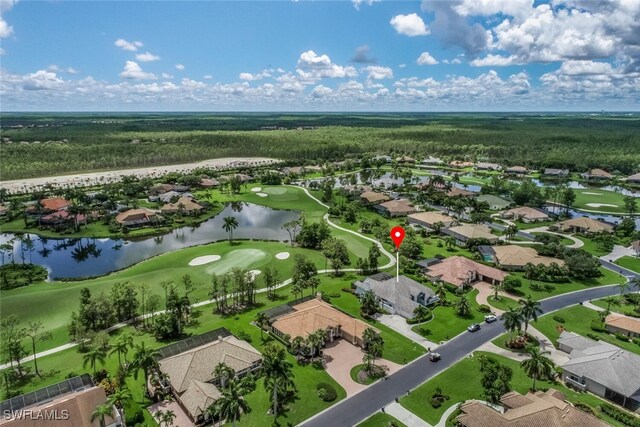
(490, 318)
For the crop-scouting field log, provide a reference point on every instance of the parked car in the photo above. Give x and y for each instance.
(473, 327)
(490, 318)
(434, 357)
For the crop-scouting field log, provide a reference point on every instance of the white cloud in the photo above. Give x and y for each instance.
(515, 8)
(312, 67)
(409, 25)
(494, 61)
(585, 67)
(257, 76)
(2, 51)
(375, 72)
(207, 77)
(402, 65)
(321, 91)
(147, 57)
(425, 58)
(5, 29)
(166, 76)
(72, 70)
(452, 61)
(41, 80)
(357, 3)
(133, 71)
(130, 46)
(179, 67)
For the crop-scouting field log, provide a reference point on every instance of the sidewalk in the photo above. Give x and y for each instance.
(405, 416)
(400, 325)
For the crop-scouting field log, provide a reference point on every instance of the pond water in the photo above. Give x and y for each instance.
(613, 219)
(86, 257)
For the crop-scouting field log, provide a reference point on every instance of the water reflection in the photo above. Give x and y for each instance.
(85, 257)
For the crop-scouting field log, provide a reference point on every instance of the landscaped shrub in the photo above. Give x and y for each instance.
(619, 415)
(622, 337)
(435, 403)
(584, 407)
(559, 319)
(593, 336)
(598, 326)
(329, 394)
(483, 308)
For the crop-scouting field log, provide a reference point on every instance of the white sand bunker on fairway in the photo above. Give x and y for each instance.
(254, 273)
(256, 189)
(201, 260)
(262, 194)
(601, 205)
(282, 255)
(592, 194)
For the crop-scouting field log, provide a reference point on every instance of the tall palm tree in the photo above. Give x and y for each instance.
(261, 320)
(102, 412)
(93, 356)
(317, 340)
(122, 345)
(441, 292)
(278, 374)
(462, 306)
(297, 344)
(497, 287)
(144, 358)
(537, 365)
(120, 398)
(369, 304)
(230, 224)
(512, 320)
(529, 310)
(168, 417)
(624, 287)
(231, 404)
(224, 372)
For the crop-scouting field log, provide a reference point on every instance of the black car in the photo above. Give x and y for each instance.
(473, 327)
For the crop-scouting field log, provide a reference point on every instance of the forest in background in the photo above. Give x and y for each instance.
(70, 143)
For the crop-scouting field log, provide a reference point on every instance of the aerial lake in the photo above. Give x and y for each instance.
(86, 257)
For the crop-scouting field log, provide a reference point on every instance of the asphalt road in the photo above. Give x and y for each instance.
(355, 409)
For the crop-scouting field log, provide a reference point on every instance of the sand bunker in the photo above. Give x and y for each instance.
(256, 189)
(201, 260)
(282, 255)
(601, 205)
(262, 194)
(254, 273)
(592, 194)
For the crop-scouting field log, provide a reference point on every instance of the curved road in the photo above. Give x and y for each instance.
(360, 406)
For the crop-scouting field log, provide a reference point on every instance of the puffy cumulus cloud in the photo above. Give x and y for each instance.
(41, 80)
(376, 72)
(425, 58)
(585, 68)
(166, 76)
(452, 61)
(321, 91)
(409, 25)
(362, 55)
(313, 67)
(357, 3)
(180, 67)
(515, 8)
(257, 76)
(133, 71)
(126, 45)
(5, 29)
(494, 61)
(147, 57)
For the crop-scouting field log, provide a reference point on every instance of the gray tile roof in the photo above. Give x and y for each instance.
(398, 294)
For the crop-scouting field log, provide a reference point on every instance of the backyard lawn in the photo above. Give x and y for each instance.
(380, 420)
(632, 263)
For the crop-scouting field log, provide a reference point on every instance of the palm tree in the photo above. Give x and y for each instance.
(120, 398)
(373, 350)
(420, 312)
(368, 336)
(512, 320)
(101, 412)
(297, 344)
(369, 304)
(511, 231)
(144, 358)
(441, 292)
(537, 365)
(624, 287)
(224, 372)
(262, 320)
(231, 404)
(529, 310)
(463, 306)
(230, 224)
(317, 340)
(122, 345)
(94, 355)
(278, 374)
(497, 287)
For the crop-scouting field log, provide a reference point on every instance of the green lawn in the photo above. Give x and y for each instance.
(615, 306)
(462, 382)
(504, 303)
(599, 197)
(380, 420)
(446, 324)
(632, 263)
(563, 240)
(578, 319)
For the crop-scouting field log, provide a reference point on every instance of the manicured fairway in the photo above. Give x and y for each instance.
(595, 199)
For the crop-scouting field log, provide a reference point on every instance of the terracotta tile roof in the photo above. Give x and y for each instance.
(455, 270)
(630, 324)
(521, 169)
(599, 173)
(137, 215)
(199, 396)
(471, 231)
(374, 197)
(526, 212)
(546, 409)
(589, 224)
(514, 255)
(634, 177)
(460, 164)
(55, 203)
(189, 205)
(398, 206)
(430, 218)
(316, 314)
(460, 192)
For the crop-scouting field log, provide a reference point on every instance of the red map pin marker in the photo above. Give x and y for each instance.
(397, 235)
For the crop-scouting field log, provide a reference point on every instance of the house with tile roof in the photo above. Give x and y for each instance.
(538, 409)
(495, 203)
(525, 214)
(516, 170)
(136, 217)
(597, 175)
(557, 173)
(516, 257)
(395, 208)
(373, 197)
(189, 206)
(467, 232)
(190, 374)
(621, 324)
(428, 219)
(460, 271)
(400, 296)
(602, 369)
(585, 225)
(486, 166)
(634, 179)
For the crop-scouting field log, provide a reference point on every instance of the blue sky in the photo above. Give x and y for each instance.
(462, 55)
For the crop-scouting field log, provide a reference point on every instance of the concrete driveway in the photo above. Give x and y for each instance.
(400, 325)
(181, 419)
(619, 252)
(340, 356)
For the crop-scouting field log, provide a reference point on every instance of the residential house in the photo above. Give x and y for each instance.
(372, 197)
(515, 257)
(62, 218)
(466, 232)
(69, 403)
(432, 161)
(461, 164)
(428, 219)
(634, 179)
(526, 214)
(209, 183)
(398, 296)
(517, 170)
(461, 271)
(187, 204)
(621, 324)
(486, 166)
(585, 225)
(541, 408)
(460, 192)
(190, 373)
(386, 159)
(636, 247)
(303, 319)
(169, 195)
(602, 369)
(54, 204)
(556, 173)
(406, 159)
(395, 208)
(495, 203)
(597, 175)
(356, 190)
(160, 189)
(136, 217)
